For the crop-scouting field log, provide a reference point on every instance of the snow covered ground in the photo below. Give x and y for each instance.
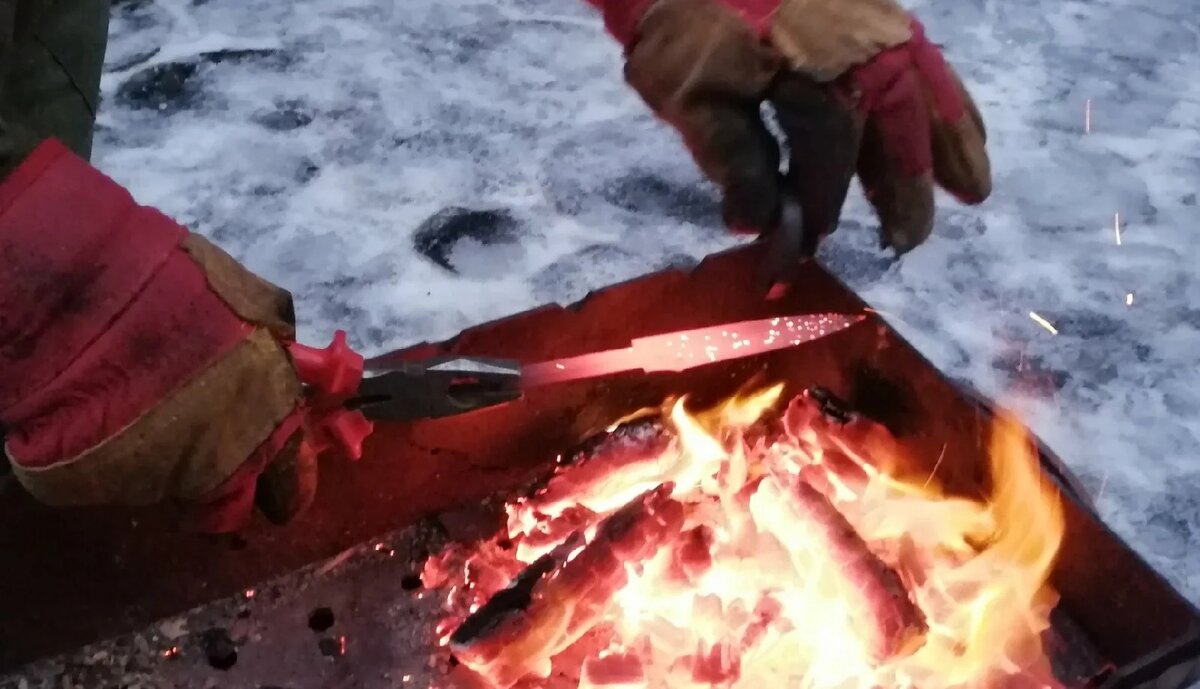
(322, 142)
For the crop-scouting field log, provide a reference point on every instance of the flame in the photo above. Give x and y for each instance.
(811, 557)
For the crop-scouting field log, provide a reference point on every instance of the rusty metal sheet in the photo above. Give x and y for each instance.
(74, 576)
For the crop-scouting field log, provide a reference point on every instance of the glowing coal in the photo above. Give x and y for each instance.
(742, 547)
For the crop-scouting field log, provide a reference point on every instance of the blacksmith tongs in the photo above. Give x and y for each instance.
(343, 401)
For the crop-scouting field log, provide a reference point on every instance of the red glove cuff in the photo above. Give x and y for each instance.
(98, 308)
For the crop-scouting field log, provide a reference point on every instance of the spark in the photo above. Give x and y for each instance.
(249, 593)
(1100, 491)
(1043, 322)
(1087, 116)
(1117, 227)
(937, 465)
(560, 367)
(1129, 299)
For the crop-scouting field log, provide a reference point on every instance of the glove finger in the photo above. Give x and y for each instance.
(960, 160)
(903, 203)
(289, 483)
(228, 507)
(823, 136)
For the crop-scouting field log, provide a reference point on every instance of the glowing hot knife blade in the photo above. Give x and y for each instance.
(681, 350)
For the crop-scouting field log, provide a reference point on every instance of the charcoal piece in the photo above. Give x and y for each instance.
(320, 620)
(412, 582)
(219, 648)
(607, 451)
(884, 399)
(831, 406)
(564, 603)
(898, 625)
(513, 598)
(436, 238)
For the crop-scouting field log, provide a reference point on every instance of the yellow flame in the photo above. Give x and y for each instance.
(769, 600)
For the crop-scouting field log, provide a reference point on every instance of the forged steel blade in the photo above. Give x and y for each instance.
(685, 349)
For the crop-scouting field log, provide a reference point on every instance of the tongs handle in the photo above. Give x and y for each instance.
(332, 375)
(788, 244)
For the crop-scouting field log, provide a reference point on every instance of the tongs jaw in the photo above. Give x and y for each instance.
(437, 387)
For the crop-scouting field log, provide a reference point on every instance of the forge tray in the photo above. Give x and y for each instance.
(74, 577)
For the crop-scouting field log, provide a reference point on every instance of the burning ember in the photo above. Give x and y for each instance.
(741, 547)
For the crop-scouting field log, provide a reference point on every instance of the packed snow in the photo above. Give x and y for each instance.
(415, 167)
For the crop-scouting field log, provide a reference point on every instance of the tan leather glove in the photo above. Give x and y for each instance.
(138, 362)
(855, 85)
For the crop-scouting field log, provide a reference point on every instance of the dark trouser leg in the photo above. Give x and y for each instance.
(52, 79)
(823, 138)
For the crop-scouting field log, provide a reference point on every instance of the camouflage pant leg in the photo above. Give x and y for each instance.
(50, 65)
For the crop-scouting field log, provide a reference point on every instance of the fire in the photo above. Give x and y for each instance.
(741, 548)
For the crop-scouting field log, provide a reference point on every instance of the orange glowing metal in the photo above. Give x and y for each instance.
(756, 591)
(685, 349)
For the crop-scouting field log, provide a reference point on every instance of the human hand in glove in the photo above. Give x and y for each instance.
(138, 362)
(856, 88)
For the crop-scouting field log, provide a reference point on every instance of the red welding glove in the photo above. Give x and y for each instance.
(138, 362)
(857, 89)
(920, 126)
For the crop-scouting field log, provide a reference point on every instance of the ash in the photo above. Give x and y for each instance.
(359, 620)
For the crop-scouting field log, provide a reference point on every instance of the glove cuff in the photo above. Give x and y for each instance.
(174, 450)
(76, 251)
(116, 349)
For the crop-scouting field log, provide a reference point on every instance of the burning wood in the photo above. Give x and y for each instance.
(893, 625)
(567, 594)
(720, 552)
